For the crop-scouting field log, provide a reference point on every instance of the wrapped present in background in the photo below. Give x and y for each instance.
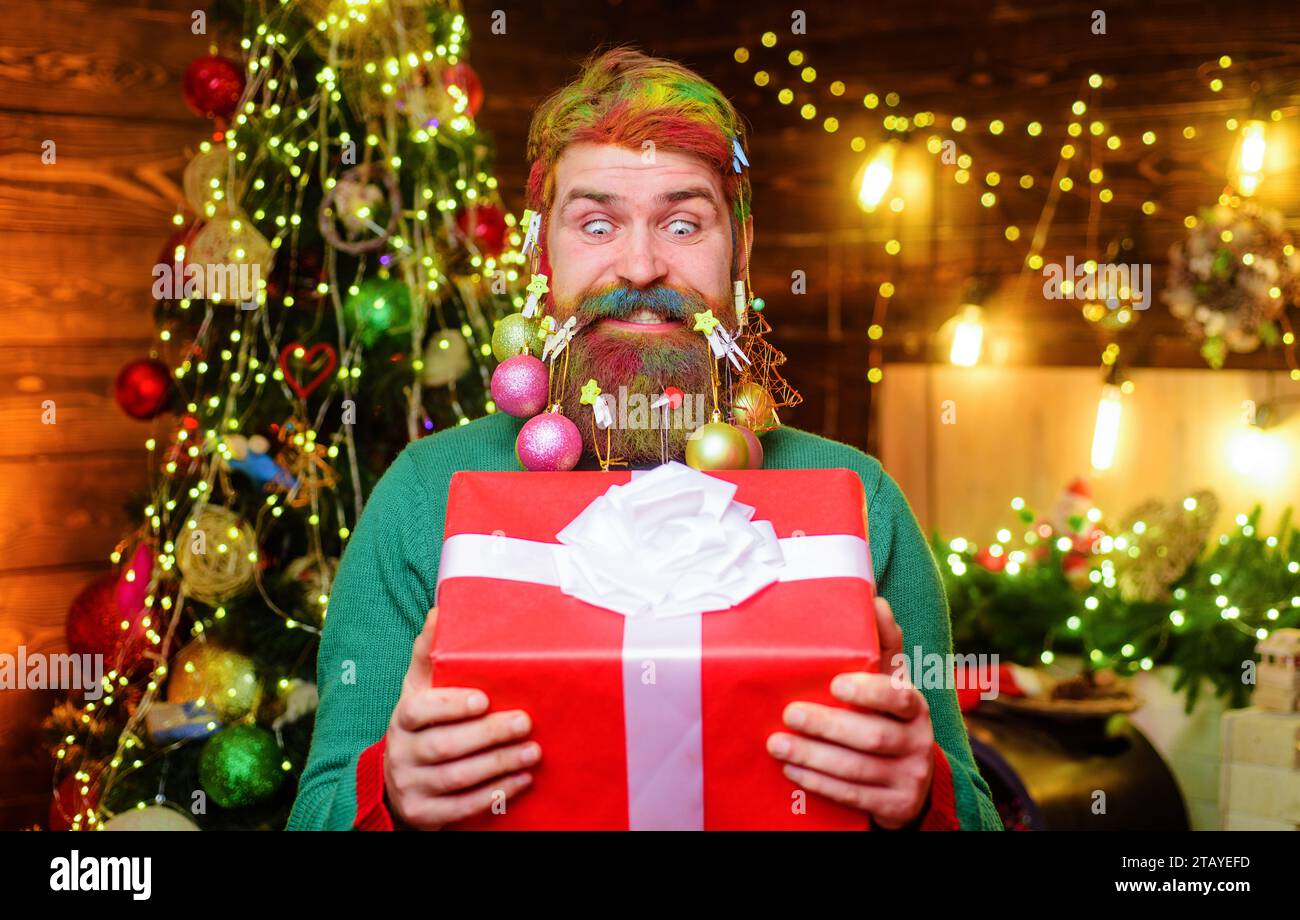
(655, 625)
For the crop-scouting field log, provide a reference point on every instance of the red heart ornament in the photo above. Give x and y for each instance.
(309, 354)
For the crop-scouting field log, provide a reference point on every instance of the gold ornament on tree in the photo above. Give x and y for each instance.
(207, 173)
(446, 359)
(221, 679)
(236, 256)
(217, 555)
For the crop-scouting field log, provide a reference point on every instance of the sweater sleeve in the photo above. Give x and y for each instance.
(908, 577)
(381, 596)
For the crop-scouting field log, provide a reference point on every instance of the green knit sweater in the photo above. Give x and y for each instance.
(386, 581)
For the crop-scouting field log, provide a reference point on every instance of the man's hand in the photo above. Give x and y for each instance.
(437, 748)
(879, 762)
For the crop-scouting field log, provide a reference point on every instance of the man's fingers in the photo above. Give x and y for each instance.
(435, 705)
(830, 759)
(886, 805)
(468, 772)
(420, 671)
(450, 742)
(879, 692)
(452, 808)
(862, 731)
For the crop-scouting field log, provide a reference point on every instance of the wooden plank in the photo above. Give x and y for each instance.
(78, 288)
(34, 605)
(108, 60)
(26, 767)
(66, 509)
(80, 381)
(107, 178)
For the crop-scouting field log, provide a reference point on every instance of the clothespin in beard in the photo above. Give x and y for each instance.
(669, 400)
(603, 409)
(724, 346)
(557, 339)
(537, 289)
(532, 221)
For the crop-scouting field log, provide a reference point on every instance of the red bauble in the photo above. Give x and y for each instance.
(142, 388)
(94, 626)
(68, 802)
(485, 226)
(463, 77)
(991, 562)
(212, 86)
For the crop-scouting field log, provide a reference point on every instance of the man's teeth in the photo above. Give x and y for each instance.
(646, 316)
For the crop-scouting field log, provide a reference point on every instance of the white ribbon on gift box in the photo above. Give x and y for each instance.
(662, 550)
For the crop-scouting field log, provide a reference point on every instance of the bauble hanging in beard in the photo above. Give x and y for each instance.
(520, 386)
(549, 443)
(716, 445)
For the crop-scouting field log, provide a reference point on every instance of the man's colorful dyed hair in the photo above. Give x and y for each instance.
(625, 97)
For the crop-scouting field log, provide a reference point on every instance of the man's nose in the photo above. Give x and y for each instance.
(641, 262)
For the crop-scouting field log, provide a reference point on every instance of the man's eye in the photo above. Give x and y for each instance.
(598, 226)
(682, 227)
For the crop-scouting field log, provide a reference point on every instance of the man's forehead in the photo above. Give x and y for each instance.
(592, 171)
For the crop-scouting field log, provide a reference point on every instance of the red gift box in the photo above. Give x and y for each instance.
(648, 722)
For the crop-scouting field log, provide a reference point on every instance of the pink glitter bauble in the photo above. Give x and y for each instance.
(519, 386)
(755, 448)
(549, 443)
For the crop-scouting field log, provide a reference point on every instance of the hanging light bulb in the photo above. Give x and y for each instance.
(876, 175)
(1248, 163)
(1256, 452)
(1106, 433)
(967, 336)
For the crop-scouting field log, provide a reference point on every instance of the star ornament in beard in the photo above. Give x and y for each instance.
(639, 342)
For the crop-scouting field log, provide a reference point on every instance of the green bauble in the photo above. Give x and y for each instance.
(380, 307)
(717, 446)
(240, 766)
(512, 333)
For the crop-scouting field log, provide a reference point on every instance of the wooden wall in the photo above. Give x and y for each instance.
(99, 78)
(962, 442)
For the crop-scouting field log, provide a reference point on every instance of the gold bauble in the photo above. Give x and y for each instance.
(217, 557)
(753, 407)
(513, 332)
(207, 165)
(446, 359)
(717, 446)
(222, 678)
(237, 255)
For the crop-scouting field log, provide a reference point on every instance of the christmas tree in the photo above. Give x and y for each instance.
(329, 293)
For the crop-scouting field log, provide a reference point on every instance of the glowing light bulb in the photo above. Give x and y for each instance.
(1105, 434)
(1249, 161)
(877, 176)
(967, 337)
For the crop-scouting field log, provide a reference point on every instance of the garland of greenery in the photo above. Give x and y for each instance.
(1061, 590)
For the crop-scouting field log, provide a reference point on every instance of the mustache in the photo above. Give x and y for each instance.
(621, 301)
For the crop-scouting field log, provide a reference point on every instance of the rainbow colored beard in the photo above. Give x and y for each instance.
(634, 368)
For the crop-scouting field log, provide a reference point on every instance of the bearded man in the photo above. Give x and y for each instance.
(645, 221)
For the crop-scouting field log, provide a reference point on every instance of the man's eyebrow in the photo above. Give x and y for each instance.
(580, 194)
(685, 194)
